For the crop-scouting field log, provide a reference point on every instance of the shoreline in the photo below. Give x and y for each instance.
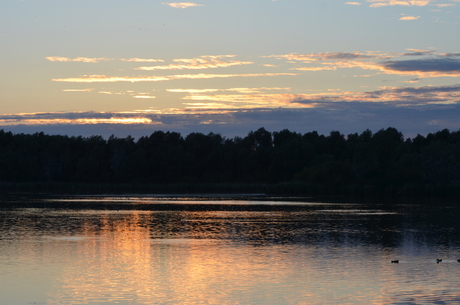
(232, 189)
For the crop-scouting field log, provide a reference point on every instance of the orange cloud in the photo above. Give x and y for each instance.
(240, 90)
(141, 60)
(192, 90)
(182, 4)
(208, 76)
(111, 92)
(380, 3)
(398, 96)
(425, 67)
(111, 79)
(228, 103)
(248, 100)
(60, 118)
(330, 56)
(409, 18)
(353, 3)
(204, 62)
(78, 59)
(144, 96)
(209, 106)
(78, 90)
(315, 68)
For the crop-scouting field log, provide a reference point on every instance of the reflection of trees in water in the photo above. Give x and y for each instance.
(384, 225)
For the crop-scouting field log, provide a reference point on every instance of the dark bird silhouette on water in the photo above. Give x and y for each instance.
(438, 260)
(395, 261)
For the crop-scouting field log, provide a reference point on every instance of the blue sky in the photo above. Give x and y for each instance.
(129, 67)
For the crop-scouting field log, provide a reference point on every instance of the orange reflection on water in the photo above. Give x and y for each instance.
(111, 263)
(118, 261)
(206, 257)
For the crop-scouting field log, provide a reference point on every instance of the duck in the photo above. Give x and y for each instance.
(395, 261)
(438, 260)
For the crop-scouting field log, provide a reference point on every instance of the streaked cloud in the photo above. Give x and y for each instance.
(203, 62)
(329, 56)
(78, 90)
(240, 90)
(249, 100)
(182, 4)
(89, 117)
(192, 90)
(419, 52)
(396, 96)
(77, 59)
(112, 79)
(111, 92)
(429, 67)
(381, 3)
(431, 64)
(409, 18)
(353, 3)
(144, 96)
(141, 60)
(314, 68)
(347, 117)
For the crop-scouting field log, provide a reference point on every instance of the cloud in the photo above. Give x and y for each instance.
(418, 52)
(144, 96)
(78, 90)
(396, 96)
(344, 117)
(182, 4)
(381, 3)
(430, 67)
(112, 79)
(327, 56)
(204, 62)
(450, 54)
(192, 90)
(240, 90)
(89, 117)
(353, 3)
(78, 59)
(141, 60)
(248, 100)
(315, 68)
(409, 18)
(111, 92)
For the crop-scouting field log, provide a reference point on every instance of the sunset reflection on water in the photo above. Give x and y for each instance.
(319, 255)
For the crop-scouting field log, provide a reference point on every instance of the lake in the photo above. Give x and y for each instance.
(226, 250)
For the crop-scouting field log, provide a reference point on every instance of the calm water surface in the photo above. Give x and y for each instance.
(153, 250)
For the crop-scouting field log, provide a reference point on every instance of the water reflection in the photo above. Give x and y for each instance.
(307, 254)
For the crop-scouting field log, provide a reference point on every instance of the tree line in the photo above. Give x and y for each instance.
(384, 157)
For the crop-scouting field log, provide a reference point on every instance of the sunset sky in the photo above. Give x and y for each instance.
(130, 67)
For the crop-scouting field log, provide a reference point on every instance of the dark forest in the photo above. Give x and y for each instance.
(384, 158)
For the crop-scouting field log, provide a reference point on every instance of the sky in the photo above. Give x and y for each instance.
(131, 67)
